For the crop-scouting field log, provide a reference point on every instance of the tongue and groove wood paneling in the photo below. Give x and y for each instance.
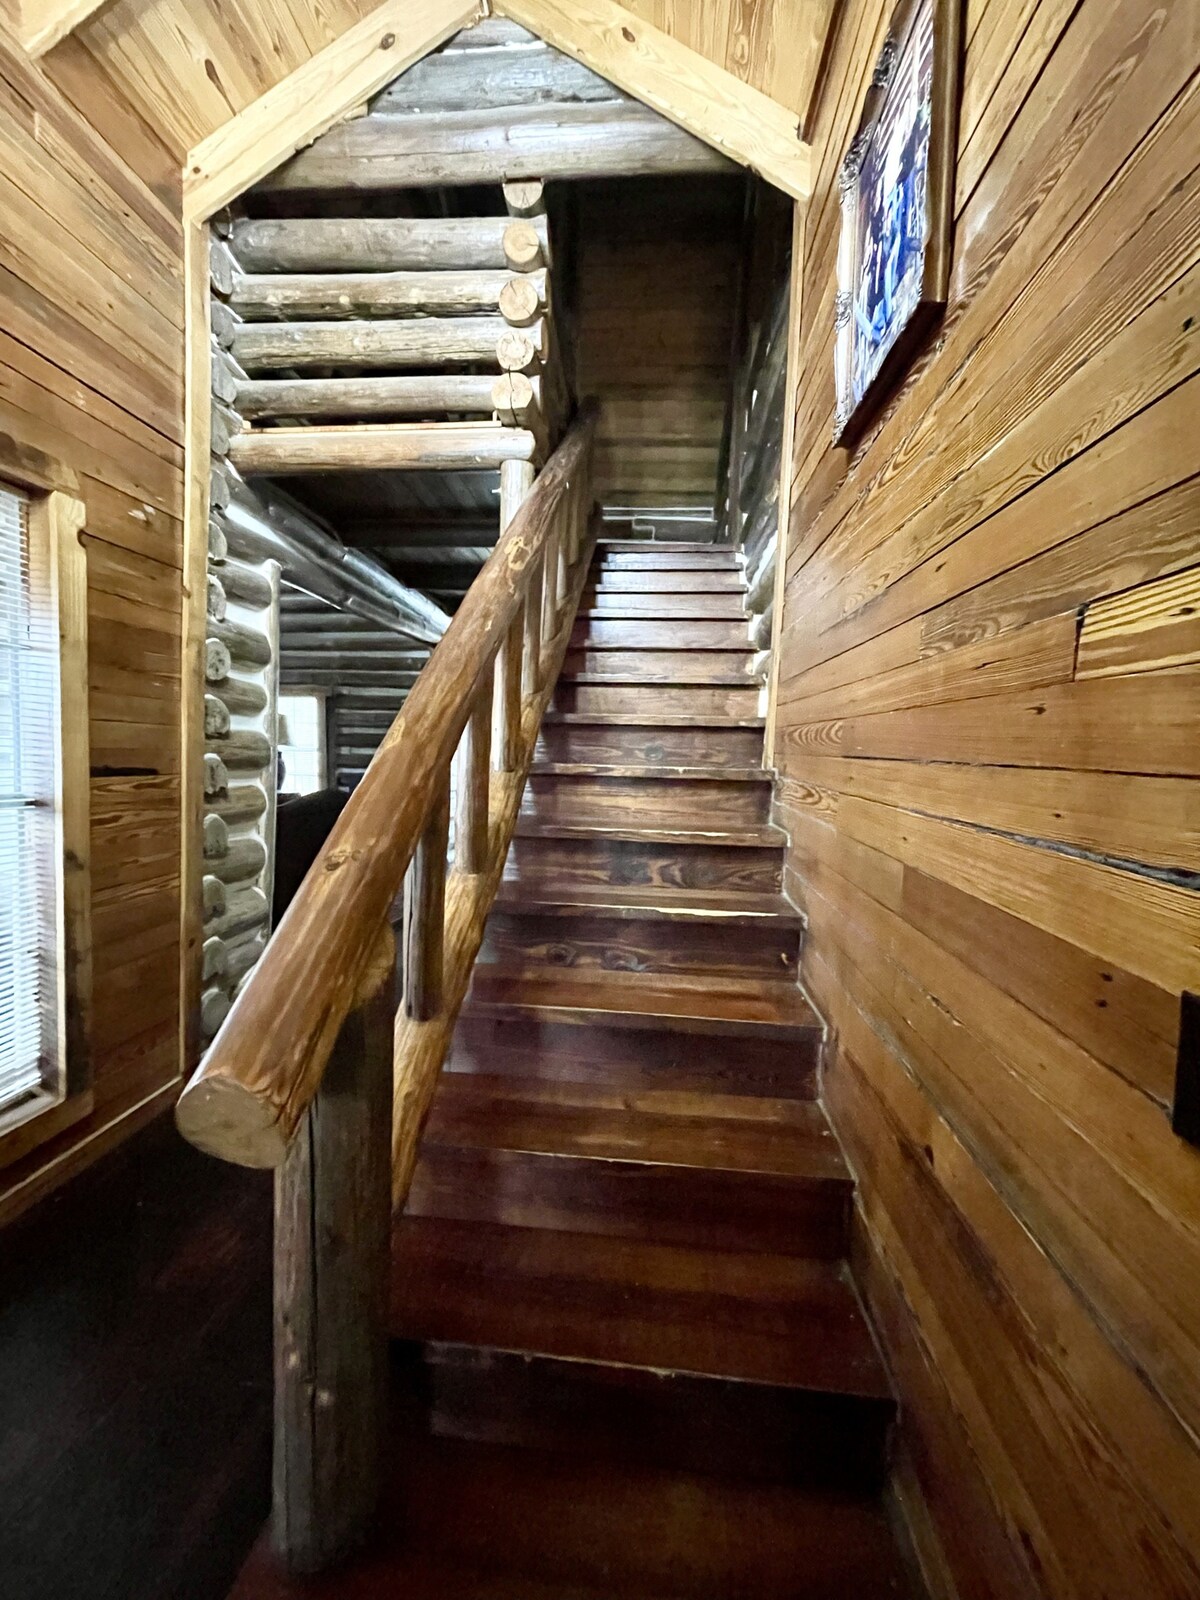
(994, 830)
(91, 359)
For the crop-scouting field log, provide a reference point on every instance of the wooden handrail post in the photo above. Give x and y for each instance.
(516, 481)
(474, 777)
(532, 677)
(509, 740)
(332, 1256)
(425, 915)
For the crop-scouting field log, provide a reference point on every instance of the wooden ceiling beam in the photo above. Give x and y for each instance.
(731, 116)
(41, 24)
(396, 446)
(308, 101)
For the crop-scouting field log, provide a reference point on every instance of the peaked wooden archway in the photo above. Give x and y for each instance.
(709, 102)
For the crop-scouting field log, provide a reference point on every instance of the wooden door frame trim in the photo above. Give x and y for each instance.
(672, 79)
(57, 520)
(197, 451)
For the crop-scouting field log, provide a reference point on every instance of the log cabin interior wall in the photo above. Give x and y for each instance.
(989, 772)
(91, 357)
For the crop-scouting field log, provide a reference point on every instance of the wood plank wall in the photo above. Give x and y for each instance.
(91, 354)
(656, 303)
(994, 833)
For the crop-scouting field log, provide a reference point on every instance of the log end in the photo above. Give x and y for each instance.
(226, 1120)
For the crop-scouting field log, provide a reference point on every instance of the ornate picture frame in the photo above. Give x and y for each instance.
(897, 204)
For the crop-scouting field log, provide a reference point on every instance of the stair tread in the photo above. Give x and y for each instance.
(776, 1320)
(647, 1000)
(714, 680)
(644, 719)
(600, 769)
(735, 906)
(466, 1520)
(568, 1120)
(736, 835)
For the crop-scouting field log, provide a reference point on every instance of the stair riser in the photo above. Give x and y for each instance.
(662, 666)
(669, 561)
(650, 701)
(661, 1204)
(661, 802)
(637, 1059)
(588, 863)
(623, 1415)
(618, 582)
(616, 944)
(651, 747)
(675, 635)
(684, 607)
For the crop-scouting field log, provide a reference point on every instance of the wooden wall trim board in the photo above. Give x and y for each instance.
(783, 536)
(678, 82)
(318, 94)
(985, 726)
(197, 425)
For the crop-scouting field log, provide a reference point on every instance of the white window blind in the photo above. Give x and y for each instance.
(302, 742)
(29, 891)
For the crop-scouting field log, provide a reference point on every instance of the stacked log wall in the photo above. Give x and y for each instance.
(241, 671)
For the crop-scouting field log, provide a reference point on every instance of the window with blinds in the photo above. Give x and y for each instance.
(31, 1066)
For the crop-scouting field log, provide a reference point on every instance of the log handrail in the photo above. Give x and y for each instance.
(333, 949)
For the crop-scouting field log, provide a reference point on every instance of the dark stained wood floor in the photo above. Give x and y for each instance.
(135, 1371)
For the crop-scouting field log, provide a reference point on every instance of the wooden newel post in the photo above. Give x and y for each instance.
(332, 1257)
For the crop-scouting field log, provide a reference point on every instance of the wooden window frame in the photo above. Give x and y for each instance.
(57, 517)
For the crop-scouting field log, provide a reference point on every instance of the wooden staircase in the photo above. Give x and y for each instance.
(629, 1359)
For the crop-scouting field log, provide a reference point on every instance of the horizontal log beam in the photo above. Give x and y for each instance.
(524, 73)
(418, 342)
(606, 140)
(376, 244)
(399, 446)
(365, 397)
(268, 295)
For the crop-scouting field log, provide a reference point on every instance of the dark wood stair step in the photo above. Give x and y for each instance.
(674, 634)
(560, 1046)
(667, 774)
(567, 1157)
(648, 668)
(615, 580)
(710, 560)
(650, 746)
(728, 1008)
(641, 719)
(737, 836)
(603, 605)
(601, 801)
(729, 907)
(766, 1319)
(689, 702)
(472, 1520)
(643, 930)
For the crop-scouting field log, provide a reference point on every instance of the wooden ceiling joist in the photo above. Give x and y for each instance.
(41, 24)
(406, 446)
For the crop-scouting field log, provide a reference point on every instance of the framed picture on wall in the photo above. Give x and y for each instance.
(897, 195)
